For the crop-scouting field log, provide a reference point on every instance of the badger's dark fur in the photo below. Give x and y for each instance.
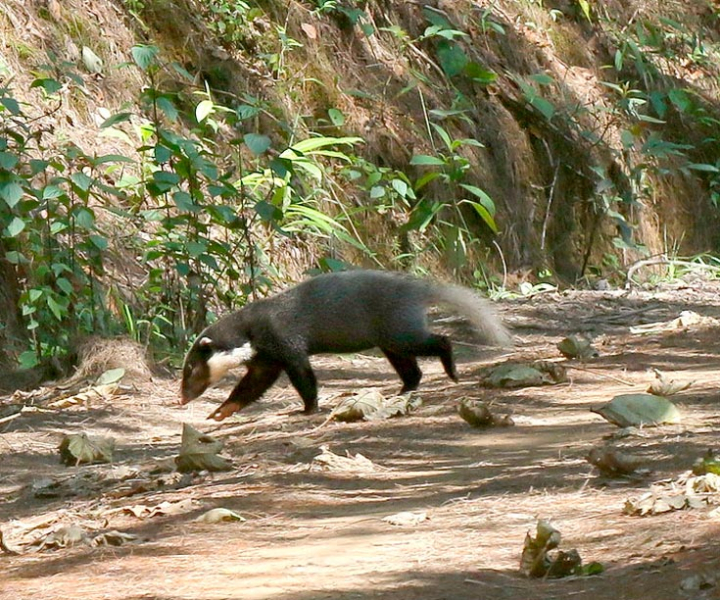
(339, 312)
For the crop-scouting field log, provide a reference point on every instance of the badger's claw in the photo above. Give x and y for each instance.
(224, 411)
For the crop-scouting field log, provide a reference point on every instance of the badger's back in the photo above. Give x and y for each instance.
(355, 310)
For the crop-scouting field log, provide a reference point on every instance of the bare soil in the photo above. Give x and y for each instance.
(313, 533)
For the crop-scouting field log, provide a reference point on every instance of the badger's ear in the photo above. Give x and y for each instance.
(204, 341)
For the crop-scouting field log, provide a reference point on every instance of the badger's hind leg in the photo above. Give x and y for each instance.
(441, 346)
(404, 357)
(408, 369)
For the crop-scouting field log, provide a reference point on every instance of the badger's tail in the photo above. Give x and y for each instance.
(477, 310)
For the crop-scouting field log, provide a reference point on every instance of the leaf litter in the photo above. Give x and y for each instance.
(567, 559)
(688, 491)
(68, 536)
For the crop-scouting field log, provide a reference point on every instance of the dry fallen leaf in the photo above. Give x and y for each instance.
(652, 503)
(687, 320)
(219, 515)
(113, 538)
(536, 561)
(4, 547)
(627, 410)
(171, 508)
(405, 518)
(309, 30)
(329, 461)
(708, 483)
(67, 536)
(110, 377)
(86, 396)
(477, 413)
(576, 347)
(666, 387)
(197, 442)
(612, 463)
(188, 463)
(519, 374)
(142, 511)
(564, 564)
(93, 63)
(373, 406)
(199, 452)
(699, 581)
(79, 448)
(137, 510)
(357, 407)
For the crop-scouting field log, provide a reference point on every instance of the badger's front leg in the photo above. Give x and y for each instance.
(261, 374)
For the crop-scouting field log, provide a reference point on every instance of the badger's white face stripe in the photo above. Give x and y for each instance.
(221, 362)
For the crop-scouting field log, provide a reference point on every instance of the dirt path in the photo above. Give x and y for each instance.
(313, 533)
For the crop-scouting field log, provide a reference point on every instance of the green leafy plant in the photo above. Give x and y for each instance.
(534, 97)
(450, 167)
(49, 203)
